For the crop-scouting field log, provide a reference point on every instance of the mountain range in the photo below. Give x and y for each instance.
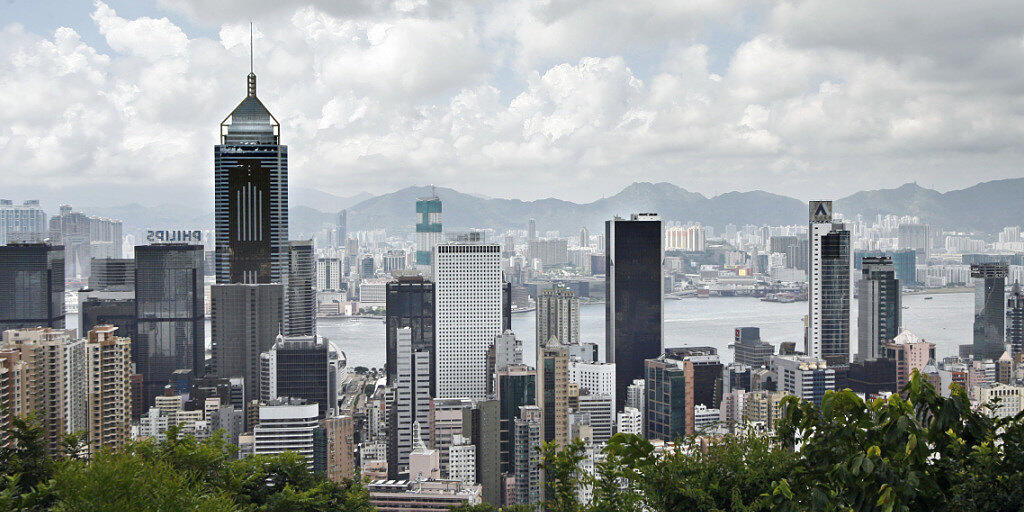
(986, 207)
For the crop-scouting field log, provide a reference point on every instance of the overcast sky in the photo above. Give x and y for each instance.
(120, 101)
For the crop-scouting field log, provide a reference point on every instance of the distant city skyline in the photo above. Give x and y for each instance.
(509, 100)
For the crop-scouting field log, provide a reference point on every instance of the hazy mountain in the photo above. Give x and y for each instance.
(323, 201)
(985, 207)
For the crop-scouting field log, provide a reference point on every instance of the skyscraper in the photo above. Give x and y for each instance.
(668, 398)
(21, 223)
(297, 367)
(170, 313)
(879, 310)
(989, 315)
(245, 320)
(411, 404)
(558, 316)
(31, 286)
(341, 230)
(1015, 320)
(410, 303)
(531, 230)
(300, 303)
(553, 391)
(914, 237)
(828, 304)
(633, 296)
(428, 229)
(251, 195)
(112, 273)
(516, 386)
(468, 315)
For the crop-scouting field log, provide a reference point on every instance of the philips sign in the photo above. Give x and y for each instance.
(157, 236)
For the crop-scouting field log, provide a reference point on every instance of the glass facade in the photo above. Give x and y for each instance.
(169, 301)
(879, 309)
(31, 286)
(410, 303)
(302, 371)
(516, 388)
(633, 307)
(989, 301)
(835, 297)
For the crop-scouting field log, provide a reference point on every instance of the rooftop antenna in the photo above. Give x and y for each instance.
(251, 81)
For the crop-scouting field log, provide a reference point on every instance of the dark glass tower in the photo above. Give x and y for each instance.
(300, 309)
(245, 320)
(170, 314)
(828, 286)
(31, 286)
(989, 315)
(1015, 320)
(879, 310)
(251, 195)
(410, 303)
(633, 292)
(300, 371)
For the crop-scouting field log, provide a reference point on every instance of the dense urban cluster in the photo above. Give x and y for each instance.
(126, 396)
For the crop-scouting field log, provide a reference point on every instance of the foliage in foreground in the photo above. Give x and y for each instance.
(919, 451)
(180, 473)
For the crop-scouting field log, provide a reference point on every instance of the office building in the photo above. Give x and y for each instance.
(425, 496)
(251, 195)
(480, 425)
(872, 377)
(112, 274)
(411, 404)
(805, 377)
(669, 399)
(445, 423)
(171, 313)
(558, 316)
(599, 411)
(593, 377)
(462, 460)
(749, 349)
(108, 381)
(989, 315)
(707, 370)
(42, 355)
(21, 222)
(468, 315)
(633, 297)
(329, 274)
(879, 307)
(31, 286)
(428, 229)
(629, 421)
(910, 353)
(286, 426)
(245, 322)
(515, 387)
(110, 308)
(300, 300)
(531, 230)
(340, 448)
(904, 263)
(297, 367)
(1015, 320)
(409, 304)
(553, 392)
(828, 295)
(341, 230)
(527, 435)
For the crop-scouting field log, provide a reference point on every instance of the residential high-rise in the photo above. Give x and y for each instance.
(989, 315)
(515, 386)
(669, 399)
(300, 303)
(21, 223)
(480, 425)
(110, 308)
(428, 229)
(1015, 320)
(468, 314)
(286, 426)
(828, 295)
(879, 310)
(329, 274)
(506, 350)
(633, 296)
(527, 435)
(584, 237)
(251, 195)
(553, 391)
(531, 230)
(409, 303)
(910, 353)
(411, 405)
(558, 316)
(31, 286)
(80, 234)
(297, 367)
(41, 353)
(108, 381)
(340, 449)
(171, 315)
(245, 320)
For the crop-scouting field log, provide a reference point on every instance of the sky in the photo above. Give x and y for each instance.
(120, 102)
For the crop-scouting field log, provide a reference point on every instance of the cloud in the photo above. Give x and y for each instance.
(526, 98)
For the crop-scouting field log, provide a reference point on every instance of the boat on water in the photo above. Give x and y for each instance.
(928, 297)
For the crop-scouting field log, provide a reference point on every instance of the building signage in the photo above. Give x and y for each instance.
(159, 236)
(821, 211)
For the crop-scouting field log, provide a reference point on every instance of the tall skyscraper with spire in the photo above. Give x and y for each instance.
(251, 195)
(828, 288)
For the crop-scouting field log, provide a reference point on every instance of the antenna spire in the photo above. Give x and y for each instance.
(251, 80)
(250, 46)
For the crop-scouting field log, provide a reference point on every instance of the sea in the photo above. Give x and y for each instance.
(945, 319)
